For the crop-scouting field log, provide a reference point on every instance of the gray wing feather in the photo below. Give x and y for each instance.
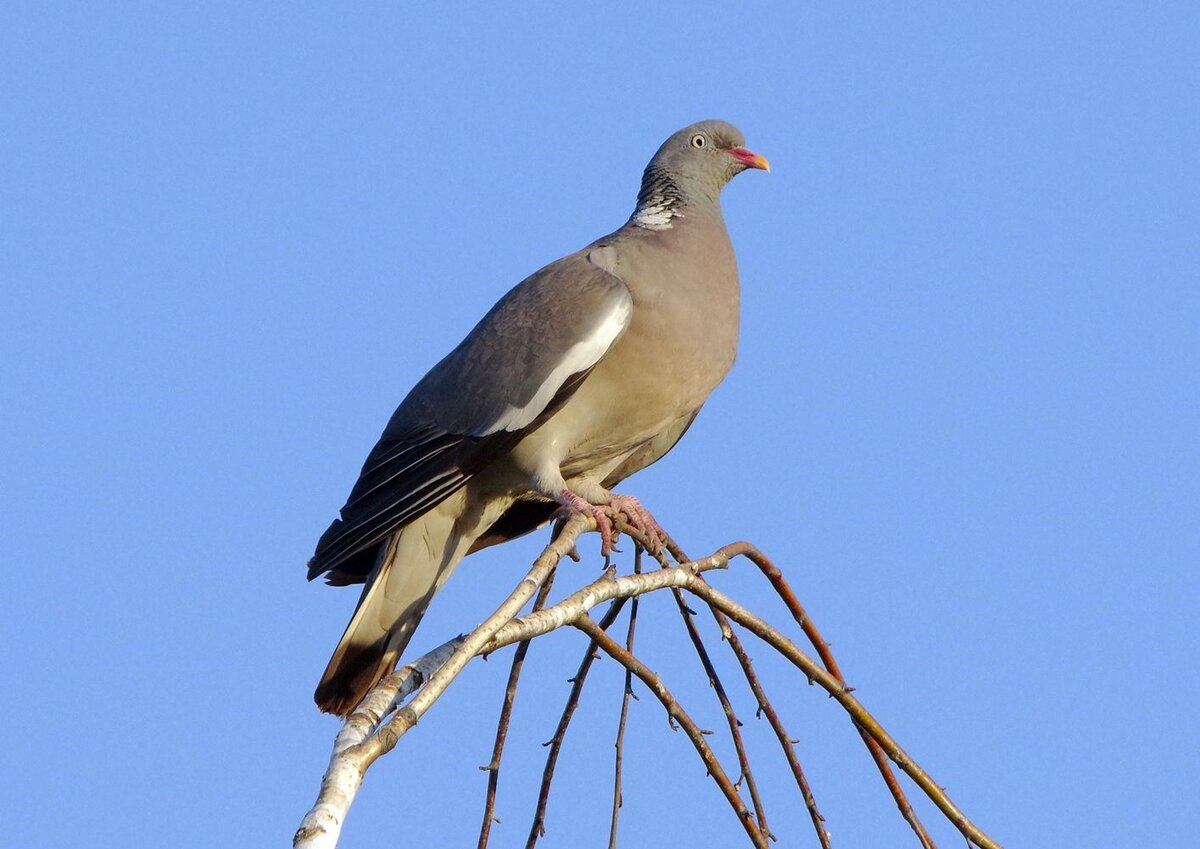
(522, 343)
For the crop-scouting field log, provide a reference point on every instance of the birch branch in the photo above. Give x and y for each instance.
(538, 827)
(842, 693)
(377, 724)
(675, 711)
(626, 695)
(372, 736)
(506, 708)
(322, 825)
(784, 591)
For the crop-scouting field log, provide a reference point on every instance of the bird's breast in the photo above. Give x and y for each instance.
(680, 343)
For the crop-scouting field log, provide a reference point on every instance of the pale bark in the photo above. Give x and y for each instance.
(383, 717)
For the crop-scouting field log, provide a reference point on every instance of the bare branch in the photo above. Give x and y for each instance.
(506, 708)
(538, 828)
(784, 591)
(676, 712)
(602, 589)
(378, 722)
(618, 759)
(843, 694)
(369, 735)
(785, 740)
(765, 708)
(384, 740)
(322, 825)
(735, 731)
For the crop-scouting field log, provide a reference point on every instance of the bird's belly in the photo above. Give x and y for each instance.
(618, 410)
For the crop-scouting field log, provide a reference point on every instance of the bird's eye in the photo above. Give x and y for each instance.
(699, 140)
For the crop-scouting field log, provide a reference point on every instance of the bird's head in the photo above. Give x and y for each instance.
(694, 164)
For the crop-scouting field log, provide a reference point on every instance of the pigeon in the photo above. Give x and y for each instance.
(587, 371)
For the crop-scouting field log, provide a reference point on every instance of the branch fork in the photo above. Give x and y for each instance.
(398, 702)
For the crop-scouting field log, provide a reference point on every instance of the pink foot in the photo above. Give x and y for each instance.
(640, 518)
(598, 512)
(604, 514)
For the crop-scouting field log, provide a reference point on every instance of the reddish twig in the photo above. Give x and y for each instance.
(765, 708)
(618, 799)
(384, 715)
(768, 710)
(506, 708)
(735, 725)
(784, 591)
(676, 712)
(844, 695)
(538, 828)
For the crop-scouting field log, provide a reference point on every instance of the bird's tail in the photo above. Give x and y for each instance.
(411, 567)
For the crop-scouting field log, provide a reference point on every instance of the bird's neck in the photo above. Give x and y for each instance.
(661, 201)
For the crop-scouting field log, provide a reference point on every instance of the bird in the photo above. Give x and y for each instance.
(584, 373)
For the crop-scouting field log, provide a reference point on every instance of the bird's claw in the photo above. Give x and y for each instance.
(639, 517)
(605, 516)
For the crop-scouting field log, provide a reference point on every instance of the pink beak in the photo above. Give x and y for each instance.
(749, 158)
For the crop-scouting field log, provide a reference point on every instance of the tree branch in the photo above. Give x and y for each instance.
(676, 712)
(376, 725)
(842, 693)
(784, 591)
(626, 694)
(768, 710)
(538, 828)
(735, 724)
(322, 825)
(506, 708)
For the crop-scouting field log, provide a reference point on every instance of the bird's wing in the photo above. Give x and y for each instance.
(512, 371)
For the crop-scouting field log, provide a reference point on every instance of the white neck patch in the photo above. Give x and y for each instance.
(656, 214)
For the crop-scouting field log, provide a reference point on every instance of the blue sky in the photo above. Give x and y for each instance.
(964, 416)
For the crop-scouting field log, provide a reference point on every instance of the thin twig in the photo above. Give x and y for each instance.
(735, 725)
(618, 798)
(686, 576)
(784, 591)
(538, 827)
(676, 712)
(506, 708)
(765, 708)
(604, 588)
(843, 694)
(785, 740)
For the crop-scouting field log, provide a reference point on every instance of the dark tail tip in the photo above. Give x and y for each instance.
(337, 702)
(352, 672)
